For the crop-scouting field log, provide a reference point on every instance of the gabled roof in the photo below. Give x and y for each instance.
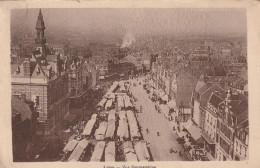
(205, 96)
(15, 64)
(215, 100)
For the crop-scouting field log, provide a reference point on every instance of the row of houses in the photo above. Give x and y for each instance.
(217, 105)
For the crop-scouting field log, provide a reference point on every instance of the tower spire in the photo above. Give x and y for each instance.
(40, 40)
(40, 14)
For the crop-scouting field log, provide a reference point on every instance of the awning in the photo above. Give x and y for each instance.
(131, 157)
(200, 140)
(102, 102)
(110, 152)
(187, 124)
(70, 145)
(195, 132)
(164, 97)
(181, 134)
(110, 96)
(207, 138)
(108, 104)
(98, 151)
(141, 151)
(94, 116)
(172, 104)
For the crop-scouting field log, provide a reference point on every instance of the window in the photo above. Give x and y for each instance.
(18, 70)
(37, 100)
(240, 149)
(38, 71)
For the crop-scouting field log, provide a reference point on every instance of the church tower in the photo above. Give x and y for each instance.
(40, 40)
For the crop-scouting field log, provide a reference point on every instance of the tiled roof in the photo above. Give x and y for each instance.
(239, 106)
(205, 95)
(215, 100)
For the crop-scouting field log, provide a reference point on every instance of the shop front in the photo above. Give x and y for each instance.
(209, 145)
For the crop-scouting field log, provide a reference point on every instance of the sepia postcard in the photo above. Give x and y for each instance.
(127, 84)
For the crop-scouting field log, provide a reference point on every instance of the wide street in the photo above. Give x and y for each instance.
(154, 121)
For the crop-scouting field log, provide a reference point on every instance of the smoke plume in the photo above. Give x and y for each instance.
(128, 40)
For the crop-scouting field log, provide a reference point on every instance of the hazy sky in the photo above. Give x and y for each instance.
(139, 21)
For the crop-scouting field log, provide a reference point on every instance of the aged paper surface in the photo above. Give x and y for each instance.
(130, 21)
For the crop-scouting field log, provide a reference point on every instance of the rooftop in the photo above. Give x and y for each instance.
(19, 106)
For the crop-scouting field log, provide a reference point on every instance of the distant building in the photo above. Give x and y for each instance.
(101, 65)
(226, 52)
(200, 54)
(62, 50)
(146, 59)
(91, 75)
(77, 93)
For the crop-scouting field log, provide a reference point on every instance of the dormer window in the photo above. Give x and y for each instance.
(18, 70)
(38, 71)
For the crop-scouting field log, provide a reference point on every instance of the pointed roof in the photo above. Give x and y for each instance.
(215, 100)
(40, 22)
(207, 90)
(40, 14)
